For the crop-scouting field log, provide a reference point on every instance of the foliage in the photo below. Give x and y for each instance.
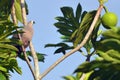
(8, 55)
(73, 28)
(40, 56)
(108, 61)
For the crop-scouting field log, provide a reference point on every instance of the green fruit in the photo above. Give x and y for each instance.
(109, 20)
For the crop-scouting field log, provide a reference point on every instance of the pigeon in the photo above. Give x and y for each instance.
(26, 36)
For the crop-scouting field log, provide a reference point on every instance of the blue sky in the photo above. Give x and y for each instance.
(43, 13)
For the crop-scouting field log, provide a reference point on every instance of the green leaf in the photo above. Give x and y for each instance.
(67, 12)
(4, 54)
(11, 41)
(26, 7)
(63, 20)
(21, 55)
(17, 69)
(87, 75)
(114, 54)
(59, 50)
(112, 74)
(18, 10)
(40, 56)
(8, 30)
(109, 33)
(63, 47)
(78, 75)
(65, 32)
(14, 65)
(56, 45)
(73, 36)
(5, 8)
(87, 18)
(107, 44)
(2, 77)
(106, 57)
(62, 25)
(84, 26)
(69, 23)
(65, 37)
(78, 12)
(69, 78)
(89, 66)
(69, 15)
(83, 14)
(2, 3)
(3, 69)
(7, 46)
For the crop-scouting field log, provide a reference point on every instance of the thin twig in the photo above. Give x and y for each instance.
(23, 10)
(87, 59)
(78, 47)
(89, 56)
(35, 59)
(13, 15)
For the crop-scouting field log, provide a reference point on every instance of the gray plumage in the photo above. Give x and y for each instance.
(26, 36)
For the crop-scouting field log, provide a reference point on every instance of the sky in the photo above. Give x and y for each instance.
(43, 12)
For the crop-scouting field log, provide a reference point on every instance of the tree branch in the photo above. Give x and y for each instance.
(35, 59)
(78, 47)
(36, 66)
(23, 10)
(13, 15)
